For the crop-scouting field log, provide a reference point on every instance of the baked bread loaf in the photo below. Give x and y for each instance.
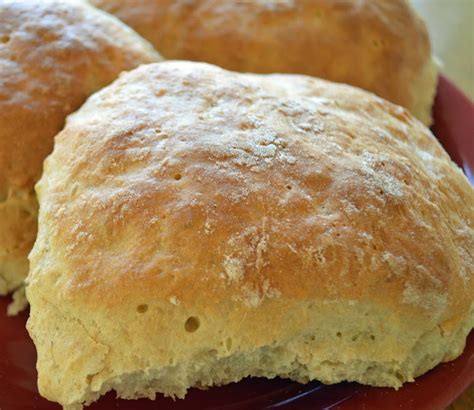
(53, 55)
(379, 45)
(213, 225)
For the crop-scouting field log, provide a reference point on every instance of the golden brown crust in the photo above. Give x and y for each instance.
(227, 174)
(226, 195)
(53, 55)
(381, 46)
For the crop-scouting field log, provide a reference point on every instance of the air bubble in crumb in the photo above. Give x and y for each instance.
(142, 308)
(192, 324)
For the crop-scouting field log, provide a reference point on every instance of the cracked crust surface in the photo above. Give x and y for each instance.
(379, 45)
(53, 55)
(214, 225)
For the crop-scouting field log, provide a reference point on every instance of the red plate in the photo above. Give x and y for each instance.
(454, 126)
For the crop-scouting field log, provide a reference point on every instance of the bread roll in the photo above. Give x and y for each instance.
(198, 226)
(379, 45)
(53, 55)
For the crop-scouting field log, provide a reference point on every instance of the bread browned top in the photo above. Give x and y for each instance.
(379, 45)
(195, 184)
(53, 55)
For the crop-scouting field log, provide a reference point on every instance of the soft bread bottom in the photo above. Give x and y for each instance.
(18, 227)
(19, 302)
(424, 91)
(353, 342)
(275, 361)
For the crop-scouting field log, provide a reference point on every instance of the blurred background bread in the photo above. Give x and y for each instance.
(53, 55)
(379, 45)
(198, 226)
